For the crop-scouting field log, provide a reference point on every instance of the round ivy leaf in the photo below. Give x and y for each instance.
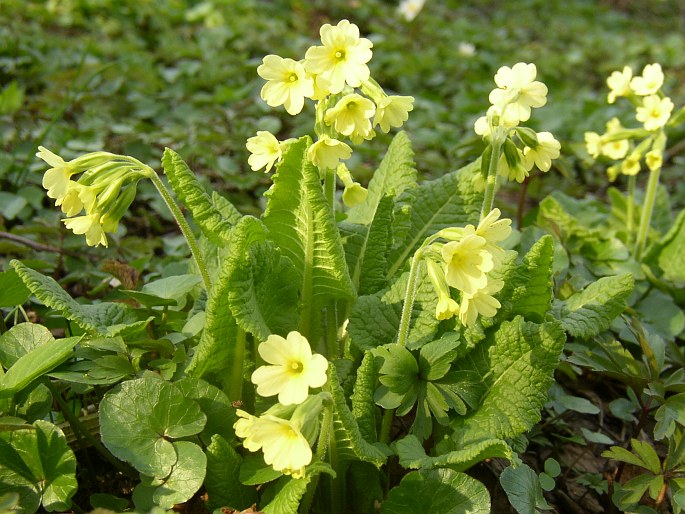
(140, 418)
(215, 405)
(185, 479)
(438, 490)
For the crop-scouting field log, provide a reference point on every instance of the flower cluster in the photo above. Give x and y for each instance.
(104, 190)
(517, 92)
(466, 263)
(653, 109)
(286, 431)
(350, 105)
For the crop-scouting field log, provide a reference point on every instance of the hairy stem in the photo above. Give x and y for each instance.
(630, 208)
(184, 226)
(491, 179)
(647, 208)
(409, 297)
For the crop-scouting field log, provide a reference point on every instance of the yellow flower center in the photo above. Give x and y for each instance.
(339, 54)
(293, 77)
(351, 105)
(656, 113)
(296, 367)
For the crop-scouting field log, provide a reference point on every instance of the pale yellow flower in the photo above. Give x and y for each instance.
(494, 231)
(542, 155)
(619, 84)
(342, 58)
(71, 203)
(264, 150)
(293, 368)
(593, 144)
(446, 308)
(631, 165)
(512, 165)
(90, 226)
(351, 115)
(650, 82)
(393, 111)
(481, 302)
(467, 263)
(518, 91)
(654, 159)
(285, 448)
(327, 152)
(354, 194)
(56, 179)
(654, 111)
(287, 83)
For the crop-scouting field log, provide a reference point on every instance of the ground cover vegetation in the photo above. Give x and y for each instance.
(342, 257)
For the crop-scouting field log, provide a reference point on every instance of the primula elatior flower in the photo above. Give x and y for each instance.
(264, 150)
(354, 194)
(342, 58)
(511, 163)
(327, 152)
(392, 111)
(614, 148)
(654, 159)
(351, 116)
(481, 302)
(654, 111)
(467, 263)
(90, 226)
(631, 165)
(56, 179)
(284, 446)
(483, 127)
(593, 144)
(446, 308)
(517, 91)
(293, 368)
(542, 155)
(494, 231)
(619, 84)
(287, 83)
(650, 82)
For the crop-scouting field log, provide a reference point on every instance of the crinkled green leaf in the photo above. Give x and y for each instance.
(222, 483)
(104, 318)
(39, 360)
(364, 450)
(413, 455)
(375, 319)
(528, 288)
(173, 288)
(590, 311)
(40, 466)
(517, 363)
(436, 357)
(140, 418)
(668, 253)
(366, 249)
(213, 223)
(284, 495)
(437, 490)
(302, 225)
(396, 173)
(568, 217)
(452, 200)
(363, 406)
(262, 284)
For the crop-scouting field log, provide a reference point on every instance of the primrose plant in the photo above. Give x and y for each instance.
(340, 330)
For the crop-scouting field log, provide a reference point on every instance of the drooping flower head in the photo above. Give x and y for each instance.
(327, 152)
(467, 262)
(393, 111)
(90, 226)
(287, 83)
(541, 156)
(517, 91)
(342, 58)
(284, 446)
(480, 302)
(292, 371)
